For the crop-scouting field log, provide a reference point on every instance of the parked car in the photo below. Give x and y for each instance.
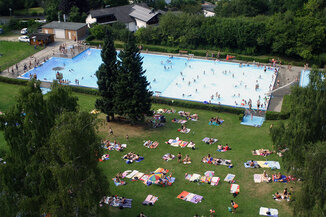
(40, 21)
(24, 31)
(23, 38)
(1, 31)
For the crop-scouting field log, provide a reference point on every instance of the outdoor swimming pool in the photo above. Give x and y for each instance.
(304, 78)
(200, 80)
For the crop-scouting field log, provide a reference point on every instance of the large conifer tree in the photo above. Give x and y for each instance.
(106, 75)
(132, 95)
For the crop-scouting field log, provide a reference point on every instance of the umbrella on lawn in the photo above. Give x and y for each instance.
(154, 178)
(209, 173)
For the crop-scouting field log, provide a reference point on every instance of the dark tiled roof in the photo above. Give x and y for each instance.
(64, 25)
(208, 7)
(126, 13)
(40, 36)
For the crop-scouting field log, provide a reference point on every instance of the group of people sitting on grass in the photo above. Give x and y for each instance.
(216, 161)
(262, 152)
(131, 156)
(112, 145)
(284, 196)
(222, 148)
(186, 160)
(188, 116)
(215, 120)
(113, 199)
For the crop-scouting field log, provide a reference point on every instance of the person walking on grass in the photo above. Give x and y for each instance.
(234, 206)
(110, 131)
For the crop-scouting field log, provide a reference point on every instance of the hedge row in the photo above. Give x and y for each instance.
(270, 115)
(85, 90)
(13, 80)
(197, 105)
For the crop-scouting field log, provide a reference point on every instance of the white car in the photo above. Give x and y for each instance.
(24, 31)
(23, 38)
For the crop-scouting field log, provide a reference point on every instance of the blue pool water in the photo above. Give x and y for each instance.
(255, 122)
(304, 78)
(177, 77)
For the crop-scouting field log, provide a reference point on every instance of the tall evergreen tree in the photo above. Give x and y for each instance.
(79, 183)
(106, 76)
(132, 96)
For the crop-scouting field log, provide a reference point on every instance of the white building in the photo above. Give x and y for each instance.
(133, 16)
(208, 9)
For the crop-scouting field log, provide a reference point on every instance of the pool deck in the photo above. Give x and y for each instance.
(285, 76)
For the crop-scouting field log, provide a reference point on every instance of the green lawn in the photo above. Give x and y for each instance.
(29, 11)
(242, 139)
(13, 52)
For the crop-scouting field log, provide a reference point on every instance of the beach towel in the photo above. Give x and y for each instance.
(118, 183)
(125, 173)
(187, 130)
(234, 188)
(229, 177)
(215, 181)
(179, 121)
(195, 177)
(183, 144)
(140, 159)
(215, 123)
(183, 195)
(261, 152)
(188, 176)
(268, 212)
(191, 145)
(269, 164)
(247, 164)
(150, 200)
(132, 174)
(257, 178)
(161, 170)
(127, 203)
(151, 144)
(144, 178)
(206, 140)
(171, 180)
(205, 179)
(138, 175)
(196, 199)
(283, 179)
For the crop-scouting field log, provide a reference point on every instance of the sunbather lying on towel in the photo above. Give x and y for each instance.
(131, 156)
(222, 148)
(151, 144)
(186, 160)
(262, 152)
(113, 145)
(215, 121)
(184, 114)
(168, 157)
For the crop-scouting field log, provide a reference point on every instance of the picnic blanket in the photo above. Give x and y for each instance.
(258, 178)
(229, 177)
(151, 144)
(179, 121)
(206, 140)
(132, 174)
(111, 146)
(187, 130)
(215, 181)
(268, 212)
(150, 200)
(125, 173)
(131, 161)
(190, 197)
(161, 170)
(118, 183)
(167, 157)
(234, 188)
(180, 143)
(269, 164)
(138, 175)
(247, 164)
(195, 177)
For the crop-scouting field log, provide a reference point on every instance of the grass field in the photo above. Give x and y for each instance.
(13, 52)
(242, 139)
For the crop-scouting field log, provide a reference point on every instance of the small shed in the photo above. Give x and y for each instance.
(66, 30)
(41, 39)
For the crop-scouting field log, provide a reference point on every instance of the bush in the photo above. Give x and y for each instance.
(90, 38)
(270, 115)
(197, 105)
(13, 80)
(241, 117)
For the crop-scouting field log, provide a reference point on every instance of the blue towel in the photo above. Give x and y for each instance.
(140, 159)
